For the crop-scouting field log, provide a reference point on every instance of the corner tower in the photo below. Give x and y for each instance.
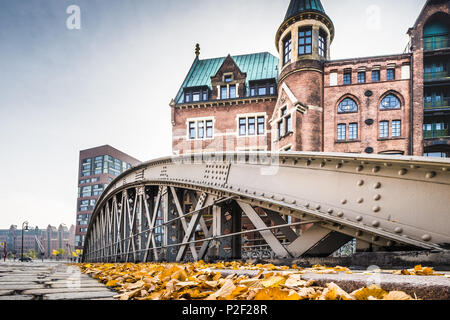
(302, 41)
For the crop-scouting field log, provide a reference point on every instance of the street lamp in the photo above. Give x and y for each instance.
(24, 227)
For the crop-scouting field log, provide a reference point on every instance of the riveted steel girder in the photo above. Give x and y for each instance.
(385, 201)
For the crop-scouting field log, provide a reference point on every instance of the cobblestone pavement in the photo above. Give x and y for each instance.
(49, 281)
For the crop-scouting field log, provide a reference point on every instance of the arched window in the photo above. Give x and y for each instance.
(390, 102)
(347, 106)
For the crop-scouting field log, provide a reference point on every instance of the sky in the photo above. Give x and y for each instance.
(107, 76)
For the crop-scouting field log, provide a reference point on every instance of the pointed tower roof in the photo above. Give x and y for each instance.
(299, 6)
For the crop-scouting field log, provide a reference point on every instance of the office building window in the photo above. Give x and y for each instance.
(191, 130)
(361, 77)
(201, 129)
(251, 126)
(242, 126)
(261, 125)
(390, 102)
(223, 92)
(375, 75)
(232, 92)
(209, 129)
(305, 41)
(342, 132)
(287, 44)
(353, 131)
(396, 128)
(384, 129)
(347, 106)
(322, 44)
(347, 77)
(390, 75)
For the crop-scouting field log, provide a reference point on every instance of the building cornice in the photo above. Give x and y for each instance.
(224, 103)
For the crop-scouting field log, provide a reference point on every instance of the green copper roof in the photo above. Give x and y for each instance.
(257, 66)
(298, 6)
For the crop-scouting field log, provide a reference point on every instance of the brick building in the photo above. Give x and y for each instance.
(302, 101)
(97, 168)
(41, 241)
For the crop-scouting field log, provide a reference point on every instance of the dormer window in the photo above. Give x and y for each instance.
(232, 92)
(196, 95)
(228, 78)
(262, 88)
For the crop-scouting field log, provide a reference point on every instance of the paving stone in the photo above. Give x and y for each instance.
(17, 297)
(20, 279)
(6, 292)
(83, 285)
(21, 287)
(79, 295)
(40, 292)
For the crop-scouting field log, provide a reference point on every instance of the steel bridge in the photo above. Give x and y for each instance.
(219, 206)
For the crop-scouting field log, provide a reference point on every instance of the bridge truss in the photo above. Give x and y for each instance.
(217, 206)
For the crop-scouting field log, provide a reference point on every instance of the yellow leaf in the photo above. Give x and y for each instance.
(276, 294)
(295, 280)
(227, 288)
(273, 282)
(111, 283)
(334, 292)
(365, 293)
(418, 268)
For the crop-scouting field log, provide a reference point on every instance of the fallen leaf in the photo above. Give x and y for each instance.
(397, 295)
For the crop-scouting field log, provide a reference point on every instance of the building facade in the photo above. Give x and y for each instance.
(302, 101)
(97, 168)
(41, 241)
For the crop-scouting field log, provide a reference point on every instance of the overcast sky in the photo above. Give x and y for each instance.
(64, 90)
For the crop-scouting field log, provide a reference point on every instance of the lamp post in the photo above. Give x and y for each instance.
(24, 227)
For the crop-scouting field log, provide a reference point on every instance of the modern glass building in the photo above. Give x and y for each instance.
(98, 167)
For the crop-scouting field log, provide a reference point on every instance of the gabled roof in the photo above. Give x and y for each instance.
(298, 6)
(257, 66)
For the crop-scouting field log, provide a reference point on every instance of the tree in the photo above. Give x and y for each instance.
(31, 254)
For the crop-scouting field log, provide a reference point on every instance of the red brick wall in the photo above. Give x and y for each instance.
(368, 107)
(226, 134)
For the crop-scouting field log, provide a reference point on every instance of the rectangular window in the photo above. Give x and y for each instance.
(390, 74)
(196, 97)
(280, 129)
(342, 132)
(209, 129)
(347, 77)
(223, 93)
(287, 44)
(187, 97)
(361, 77)
(228, 78)
(205, 95)
(375, 75)
(305, 41)
(201, 129)
(322, 45)
(261, 125)
(262, 91)
(251, 126)
(232, 92)
(191, 130)
(288, 124)
(283, 111)
(384, 129)
(242, 126)
(252, 92)
(353, 131)
(396, 128)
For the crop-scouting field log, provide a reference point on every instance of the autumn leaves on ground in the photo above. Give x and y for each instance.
(199, 281)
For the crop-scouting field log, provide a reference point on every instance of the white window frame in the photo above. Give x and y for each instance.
(251, 115)
(197, 120)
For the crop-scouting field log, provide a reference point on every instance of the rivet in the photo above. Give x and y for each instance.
(340, 214)
(398, 230)
(360, 183)
(282, 199)
(341, 227)
(339, 165)
(308, 163)
(360, 200)
(360, 168)
(318, 207)
(431, 175)
(377, 185)
(330, 211)
(402, 172)
(358, 233)
(376, 209)
(344, 201)
(376, 224)
(390, 243)
(359, 218)
(322, 164)
(376, 169)
(294, 201)
(426, 237)
(307, 205)
(377, 197)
